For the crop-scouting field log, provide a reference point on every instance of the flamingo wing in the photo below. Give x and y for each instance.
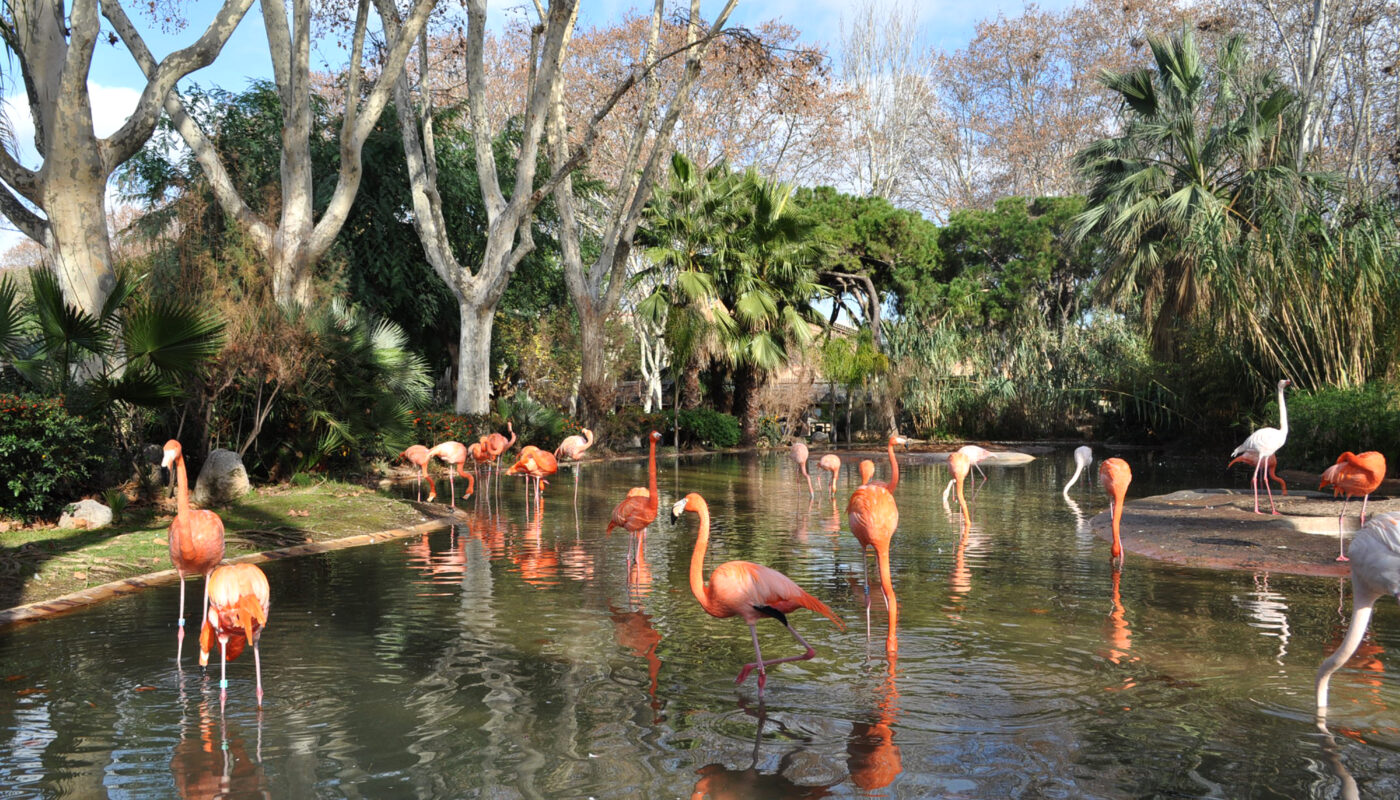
(751, 590)
(629, 513)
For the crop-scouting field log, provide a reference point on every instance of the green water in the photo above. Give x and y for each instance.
(514, 657)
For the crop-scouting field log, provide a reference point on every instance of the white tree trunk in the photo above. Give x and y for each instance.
(474, 357)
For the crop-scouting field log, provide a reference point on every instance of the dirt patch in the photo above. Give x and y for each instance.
(1218, 529)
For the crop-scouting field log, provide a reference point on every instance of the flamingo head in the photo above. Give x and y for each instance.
(171, 452)
(1285, 383)
(867, 471)
(902, 441)
(656, 436)
(691, 502)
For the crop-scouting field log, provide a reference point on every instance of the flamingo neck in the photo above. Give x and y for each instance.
(1118, 497)
(894, 469)
(962, 502)
(653, 499)
(182, 488)
(1282, 413)
(1078, 468)
(697, 558)
(587, 438)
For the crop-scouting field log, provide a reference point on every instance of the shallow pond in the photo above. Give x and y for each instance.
(514, 657)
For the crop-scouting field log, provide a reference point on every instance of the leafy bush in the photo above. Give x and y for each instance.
(617, 430)
(707, 426)
(1326, 422)
(534, 422)
(433, 427)
(49, 455)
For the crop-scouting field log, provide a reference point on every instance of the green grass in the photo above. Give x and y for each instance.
(41, 564)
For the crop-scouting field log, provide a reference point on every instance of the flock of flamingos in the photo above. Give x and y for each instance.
(237, 598)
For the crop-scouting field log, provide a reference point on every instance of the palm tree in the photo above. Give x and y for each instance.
(1203, 160)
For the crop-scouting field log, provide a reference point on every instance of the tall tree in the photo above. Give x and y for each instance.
(53, 48)
(296, 241)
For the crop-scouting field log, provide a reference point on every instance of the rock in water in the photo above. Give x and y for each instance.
(222, 480)
(85, 514)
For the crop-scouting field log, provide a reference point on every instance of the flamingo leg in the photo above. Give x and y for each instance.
(1269, 489)
(452, 489)
(223, 671)
(763, 665)
(1254, 484)
(865, 570)
(979, 471)
(1364, 499)
(257, 667)
(1341, 552)
(180, 629)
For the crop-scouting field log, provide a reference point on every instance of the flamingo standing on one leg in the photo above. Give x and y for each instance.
(960, 465)
(831, 463)
(1352, 475)
(1264, 443)
(239, 601)
(748, 590)
(572, 449)
(1114, 476)
(196, 537)
(1083, 457)
(895, 439)
(874, 516)
(638, 509)
(454, 454)
(417, 455)
(1375, 572)
(1270, 465)
(799, 454)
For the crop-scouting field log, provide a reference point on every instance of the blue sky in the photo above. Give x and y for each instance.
(116, 81)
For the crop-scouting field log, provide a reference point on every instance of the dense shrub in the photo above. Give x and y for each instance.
(1326, 422)
(709, 427)
(434, 427)
(50, 455)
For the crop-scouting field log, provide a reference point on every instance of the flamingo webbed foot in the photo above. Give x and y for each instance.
(1343, 558)
(744, 673)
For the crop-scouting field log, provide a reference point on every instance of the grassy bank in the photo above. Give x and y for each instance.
(44, 563)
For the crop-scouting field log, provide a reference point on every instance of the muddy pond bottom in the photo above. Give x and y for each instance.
(518, 656)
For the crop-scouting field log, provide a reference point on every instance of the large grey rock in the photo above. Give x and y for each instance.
(222, 480)
(85, 514)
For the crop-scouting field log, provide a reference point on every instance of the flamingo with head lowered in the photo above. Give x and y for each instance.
(1114, 476)
(747, 590)
(1083, 457)
(1263, 443)
(454, 454)
(1375, 573)
(799, 455)
(832, 464)
(417, 455)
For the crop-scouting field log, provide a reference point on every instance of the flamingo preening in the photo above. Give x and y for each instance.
(1352, 475)
(748, 590)
(799, 455)
(1375, 572)
(239, 601)
(196, 537)
(1114, 476)
(1263, 443)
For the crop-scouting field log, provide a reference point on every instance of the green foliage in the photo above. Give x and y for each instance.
(770, 432)
(50, 455)
(1326, 422)
(116, 500)
(534, 422)
(301, 479)
(618, 429)
(433, 427)
(709, 427)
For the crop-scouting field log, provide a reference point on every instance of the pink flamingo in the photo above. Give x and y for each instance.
(1114, 476)
(831, 463)
(417, 455)
(239, 601)
(799, 454)
(1375, 573)
(454, 454)
(895, 439)
(1352, 475)
(747, 590)
(196, 537)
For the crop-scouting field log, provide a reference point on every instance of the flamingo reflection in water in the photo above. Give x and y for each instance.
(633, 630)
(872, 756)
(718, 782)
(1119, 635)
(211, 764)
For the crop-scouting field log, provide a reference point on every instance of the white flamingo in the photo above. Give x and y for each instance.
(1375, 572)
(1083, 457)
(1263, 443)
(974, 454)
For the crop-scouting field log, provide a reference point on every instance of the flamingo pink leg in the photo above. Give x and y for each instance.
(763, 665)
(1341, 541)
(257, 666)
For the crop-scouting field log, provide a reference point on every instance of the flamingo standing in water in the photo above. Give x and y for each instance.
(799, 454)
(1114, 476)
(960, 465)
(417, 455)
(454, 454)
(874, 516)
(1083, 457)
(1352, 475)
(572, 449)
(638, 509)
(1263, 443)
(496, 444)
(196, 537)
(534, 463)
(1270, 465)
(831, 463)
(748, 590)
(1375, 572)
(239, 601)
(867, 471)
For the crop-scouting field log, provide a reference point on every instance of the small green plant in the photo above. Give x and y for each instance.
(116, 500)
(50, 455)
(1324, 423)
(302, 479)
(710, 427)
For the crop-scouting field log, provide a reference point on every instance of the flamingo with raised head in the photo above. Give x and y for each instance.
(454, 454)
(1114, 476)
(832, 464)
(196, 537)
(417, 455)
(893, 483)
(747, 590)
(572, 449)
(1083, 457)
(1264, 443)
(1352, 475)
(496, 444)
(638, 509)
(874, 516)
(1375, 572)
(239, 601)
(799, 455)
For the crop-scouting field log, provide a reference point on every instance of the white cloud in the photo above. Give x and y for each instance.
(111, 105)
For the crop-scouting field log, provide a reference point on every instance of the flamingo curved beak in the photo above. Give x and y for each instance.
(676, 511)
